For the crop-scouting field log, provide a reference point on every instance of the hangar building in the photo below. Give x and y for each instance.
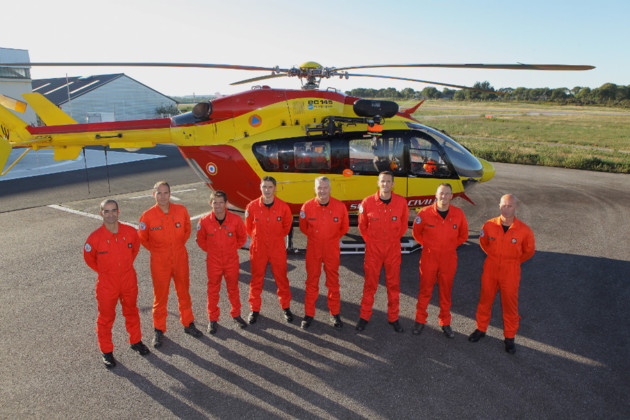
(106, 97)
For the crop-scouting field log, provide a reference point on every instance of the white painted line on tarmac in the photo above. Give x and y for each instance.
(84, 214)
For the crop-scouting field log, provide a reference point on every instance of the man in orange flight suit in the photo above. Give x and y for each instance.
(110, 251)
(164, 230)
(220, 234)
(383, 220)
(440, 229)
(267, 221)
(508, 243)
(324, 221)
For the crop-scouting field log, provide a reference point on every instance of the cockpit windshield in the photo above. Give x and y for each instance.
(464, 162)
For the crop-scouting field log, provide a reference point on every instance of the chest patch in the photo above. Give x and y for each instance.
(335, 219)
(454, 226)
(178, 225)
(513, 240)
(129, 245)
(279, 218)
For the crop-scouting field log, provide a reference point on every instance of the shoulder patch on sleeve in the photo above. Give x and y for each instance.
(360, 208)
(88, 247)
(199, 226)
(142, 226)
(418, 220)
(481, 234)
(302, 214)
(246, 213)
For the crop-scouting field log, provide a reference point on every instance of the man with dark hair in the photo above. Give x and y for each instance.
(220, 234)
(268, 220)
(508, 243)
(383, 220)
(324, 221)
(164, 230)
(110, 251)
(440, 229)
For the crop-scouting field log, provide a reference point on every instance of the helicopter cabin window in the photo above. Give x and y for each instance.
(425, 159)
(267, 155)
(312, 155)
(376, 154)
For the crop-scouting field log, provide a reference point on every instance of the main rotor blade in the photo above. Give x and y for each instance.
(255, 79)
(519, 66)
(12, 104)
(139, 64)
(426, 81)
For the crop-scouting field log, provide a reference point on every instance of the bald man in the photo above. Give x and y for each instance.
(508, 243)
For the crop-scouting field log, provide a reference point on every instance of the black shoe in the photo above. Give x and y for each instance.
(397, 327)
(306, 322)
(239, 321)
(140, 348)
(108, 360)
(510, 347)
(417, 328)
(448, 331)
(288, 315)
(213, 326)
(253, 317)
(158, 338)
(192, 330)
(361, 324)
(476, 336)
(336, 321)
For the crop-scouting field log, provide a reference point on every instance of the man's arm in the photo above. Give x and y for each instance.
(201, 235)
(529, 246)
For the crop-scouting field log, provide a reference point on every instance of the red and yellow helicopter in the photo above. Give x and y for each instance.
(295, 136)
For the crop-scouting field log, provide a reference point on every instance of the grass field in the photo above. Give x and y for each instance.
(592, 138)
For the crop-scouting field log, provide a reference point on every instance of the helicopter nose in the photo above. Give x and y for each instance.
(488, 170)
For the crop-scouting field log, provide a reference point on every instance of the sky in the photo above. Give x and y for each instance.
(335, 33)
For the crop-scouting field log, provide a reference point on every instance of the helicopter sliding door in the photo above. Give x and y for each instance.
(368, 156)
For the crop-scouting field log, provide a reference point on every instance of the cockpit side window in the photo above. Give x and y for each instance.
(425, 159)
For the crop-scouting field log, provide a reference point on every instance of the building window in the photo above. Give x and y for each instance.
(15, 73)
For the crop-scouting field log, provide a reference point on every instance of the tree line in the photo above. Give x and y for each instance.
(608, 94)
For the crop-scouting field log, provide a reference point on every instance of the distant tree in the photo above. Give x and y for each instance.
(408, 93)
(430, 92)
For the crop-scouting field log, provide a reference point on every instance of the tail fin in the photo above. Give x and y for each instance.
(47, 111)
(12, 130)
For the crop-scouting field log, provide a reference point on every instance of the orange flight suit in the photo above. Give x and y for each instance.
(505, 252)
(165, 236)
(323, 226)
(267, 226)
(112, 255)
(221, 243)
(381, 226)
(439, 239)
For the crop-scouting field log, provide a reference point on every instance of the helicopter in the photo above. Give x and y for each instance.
(232, 142)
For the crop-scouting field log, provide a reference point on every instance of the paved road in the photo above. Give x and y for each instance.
(572, 360)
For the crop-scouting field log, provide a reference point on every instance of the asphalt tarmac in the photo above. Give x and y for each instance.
(572, 359)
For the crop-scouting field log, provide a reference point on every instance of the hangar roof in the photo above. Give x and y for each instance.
(57, 90)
